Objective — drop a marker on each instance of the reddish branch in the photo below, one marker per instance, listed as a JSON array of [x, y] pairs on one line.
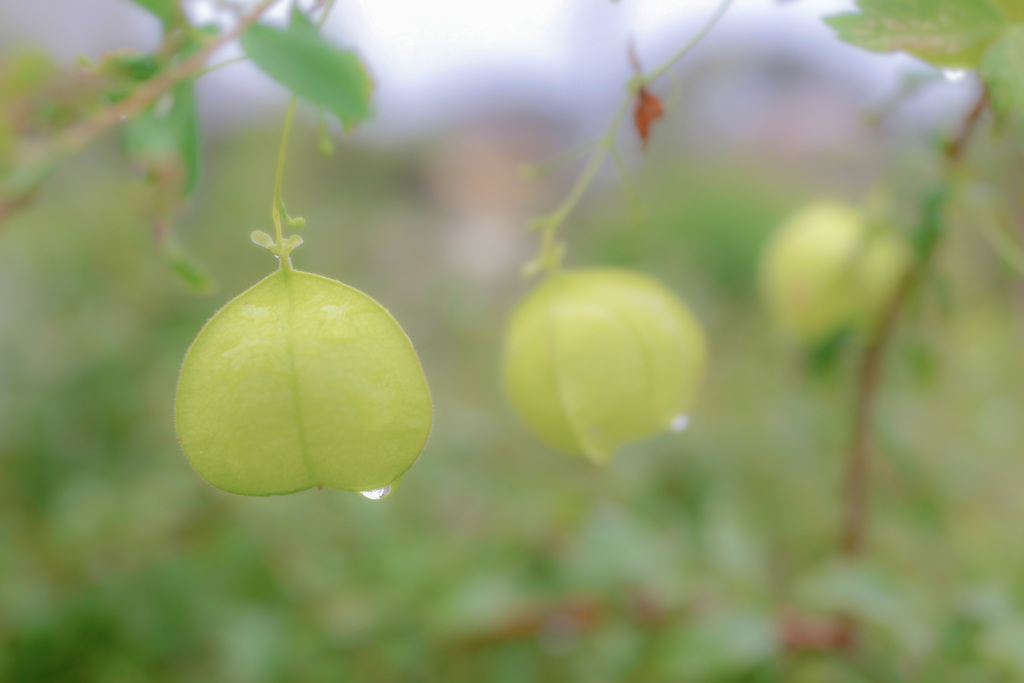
[[855, 486]]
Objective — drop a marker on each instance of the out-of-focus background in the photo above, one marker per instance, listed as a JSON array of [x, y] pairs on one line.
[[499, 560]]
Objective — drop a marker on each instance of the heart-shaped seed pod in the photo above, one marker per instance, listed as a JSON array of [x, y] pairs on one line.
[[598, 357], [824, 271], [302, 381]]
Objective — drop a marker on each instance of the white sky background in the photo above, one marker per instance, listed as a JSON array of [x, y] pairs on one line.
[[434, 58]]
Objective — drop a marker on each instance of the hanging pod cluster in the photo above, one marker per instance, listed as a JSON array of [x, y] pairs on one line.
[[302, 381], [595, 358]]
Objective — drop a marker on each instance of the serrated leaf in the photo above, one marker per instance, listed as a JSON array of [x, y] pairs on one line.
[[302, 61], [1003, 69], [945, 33], [168, 133]]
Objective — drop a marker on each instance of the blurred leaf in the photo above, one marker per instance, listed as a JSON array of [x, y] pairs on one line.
[[947, 33], [1003, 646], [301, 25], [168, 133], [312, 68], [823, 358], [167, 11], [130, 65], [646, 112], [722, 647], [874, 598], [24, 72], [19, 187], [1003, 69], [929, 229], [190, 272]]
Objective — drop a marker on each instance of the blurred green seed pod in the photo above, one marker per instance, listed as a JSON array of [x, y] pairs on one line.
[[824, 271], [302, 381], [595, 358]]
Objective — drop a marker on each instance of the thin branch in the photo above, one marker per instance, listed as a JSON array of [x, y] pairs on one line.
[[77, 136], [855, 485]]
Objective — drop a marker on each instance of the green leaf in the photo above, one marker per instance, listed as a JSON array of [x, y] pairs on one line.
[[946, 33], [1003, 646], [725, 646], [158, 136], [880, 601], [302, 61], [302, 27], [167, 11], [1003, 69]]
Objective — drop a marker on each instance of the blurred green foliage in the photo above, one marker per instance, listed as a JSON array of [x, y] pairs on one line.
[[497, 560]]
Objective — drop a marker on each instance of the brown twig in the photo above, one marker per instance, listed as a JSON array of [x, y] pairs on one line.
[[74, 138], [855, 486]]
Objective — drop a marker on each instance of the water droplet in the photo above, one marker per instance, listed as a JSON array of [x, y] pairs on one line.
[[376, 494], [679, 423], [954, 75]]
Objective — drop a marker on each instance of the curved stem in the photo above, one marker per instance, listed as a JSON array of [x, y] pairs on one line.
[[660, 71], [604, 145], [282, 153], [277, 204]]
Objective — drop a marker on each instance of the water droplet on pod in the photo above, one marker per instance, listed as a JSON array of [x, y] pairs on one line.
[[276, 395], [376, 494], [680, 423], [596, 358]]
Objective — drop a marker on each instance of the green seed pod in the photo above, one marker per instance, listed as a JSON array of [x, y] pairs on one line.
[[302, 381], [824, 271], [598, 357]]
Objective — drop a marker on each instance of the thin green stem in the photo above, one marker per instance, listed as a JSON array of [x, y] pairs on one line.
[[579, 188], [628, 186], [278, 202], [660, 71], [277, 205], [604, 146], [214, 67], [541, 169]]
